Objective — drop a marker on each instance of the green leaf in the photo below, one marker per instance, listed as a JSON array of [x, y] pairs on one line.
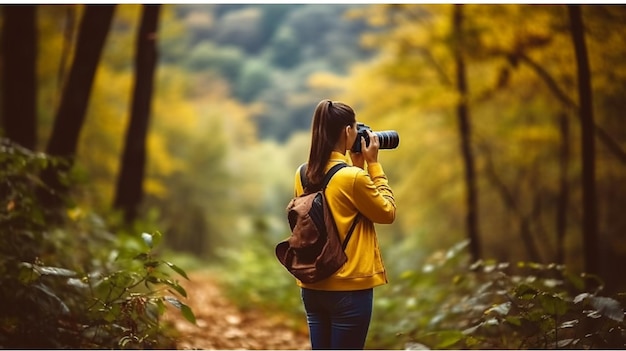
[[569, 324], [77, 283], [565, 342], [174, 301], [553, 304], [147, 238], [608, 307], [476, 265], [156, 238], [176, 287], [177, 269], [456, 249], [581, 297], [184, 309], [188, 313], [160, 307], [46, 270], [55, 271], [525, 291], [516, 321], [111, 312], [471, 330], [122, 279], [27, 274], [491, 322], [501, 309], [536, 265], [154, 280]]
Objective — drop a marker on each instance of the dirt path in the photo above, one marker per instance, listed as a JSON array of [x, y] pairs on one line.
[[221, 325]]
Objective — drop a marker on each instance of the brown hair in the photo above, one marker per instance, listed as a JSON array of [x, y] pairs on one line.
[[329, 119]]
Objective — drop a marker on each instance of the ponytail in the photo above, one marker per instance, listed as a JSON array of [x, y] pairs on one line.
[[329, 119]]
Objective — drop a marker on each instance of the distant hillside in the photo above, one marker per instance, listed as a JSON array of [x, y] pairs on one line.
[[267, 53]]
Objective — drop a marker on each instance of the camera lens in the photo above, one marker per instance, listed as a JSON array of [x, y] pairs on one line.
[[388, 139]]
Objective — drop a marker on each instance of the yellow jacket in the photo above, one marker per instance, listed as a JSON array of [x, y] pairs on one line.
[[352, 190]]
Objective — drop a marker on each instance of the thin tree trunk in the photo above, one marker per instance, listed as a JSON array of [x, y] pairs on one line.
[[532, 251], [71, 113], [68, 39], [563, 200], [70, 116], [465, 135], [603, 136], [129, 190], [590, 218], [19, 112]]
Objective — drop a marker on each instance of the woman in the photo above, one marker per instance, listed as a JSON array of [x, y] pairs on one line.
[[339, 308]]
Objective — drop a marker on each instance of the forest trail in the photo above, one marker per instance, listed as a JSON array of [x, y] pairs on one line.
[[222, 325]]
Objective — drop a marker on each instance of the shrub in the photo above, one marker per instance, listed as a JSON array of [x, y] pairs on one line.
[[74, 284], [253, 278], [497, 305]]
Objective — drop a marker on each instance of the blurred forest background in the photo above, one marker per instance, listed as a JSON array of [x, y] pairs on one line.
[[512, 142]]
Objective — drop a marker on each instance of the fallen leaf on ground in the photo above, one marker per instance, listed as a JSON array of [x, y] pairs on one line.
[[223, 326]]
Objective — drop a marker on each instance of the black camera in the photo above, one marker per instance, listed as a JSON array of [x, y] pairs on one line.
[[388, 139]]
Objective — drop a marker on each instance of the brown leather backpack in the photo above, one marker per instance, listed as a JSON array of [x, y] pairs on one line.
[[313, 251]]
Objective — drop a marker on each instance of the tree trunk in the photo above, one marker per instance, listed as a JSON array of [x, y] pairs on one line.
[[129, 191], [603, 136], [563, 199], [465, 134], [590, 220], [71, 113], [19, 96], [68, 38], [508, 198]]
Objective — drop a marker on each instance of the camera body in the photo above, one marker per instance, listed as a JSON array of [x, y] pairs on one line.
[[388, 139]]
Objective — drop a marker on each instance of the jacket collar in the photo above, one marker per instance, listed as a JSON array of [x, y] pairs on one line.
[[336, 157]]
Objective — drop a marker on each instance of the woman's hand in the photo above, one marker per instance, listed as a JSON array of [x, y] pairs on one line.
[[368, 153]]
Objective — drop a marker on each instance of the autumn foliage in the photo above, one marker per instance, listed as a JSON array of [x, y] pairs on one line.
[[512, 137]]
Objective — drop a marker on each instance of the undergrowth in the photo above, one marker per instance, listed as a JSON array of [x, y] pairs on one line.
[[449, 303], [73, 283]]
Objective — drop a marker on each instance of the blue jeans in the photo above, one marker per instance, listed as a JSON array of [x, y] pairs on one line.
[[338, 319]]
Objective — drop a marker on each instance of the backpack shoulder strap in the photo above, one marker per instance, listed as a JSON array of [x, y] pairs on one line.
[[303, 178], [327, 177], [331, 172], [356, 220]]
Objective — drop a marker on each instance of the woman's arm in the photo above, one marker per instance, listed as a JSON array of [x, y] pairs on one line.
[[373, 196]]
